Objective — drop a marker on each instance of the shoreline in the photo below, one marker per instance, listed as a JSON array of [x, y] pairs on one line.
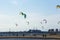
[[31, 37]]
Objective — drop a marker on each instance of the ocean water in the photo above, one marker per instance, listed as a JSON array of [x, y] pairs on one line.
[[26, 39]]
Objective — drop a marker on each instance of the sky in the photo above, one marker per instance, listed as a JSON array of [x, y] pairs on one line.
[[36, 11]]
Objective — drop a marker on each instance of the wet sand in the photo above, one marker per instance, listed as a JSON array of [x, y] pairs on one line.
[[35, 37]]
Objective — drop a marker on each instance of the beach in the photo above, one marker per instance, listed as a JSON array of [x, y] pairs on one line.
[[26, 39], [34, 37]]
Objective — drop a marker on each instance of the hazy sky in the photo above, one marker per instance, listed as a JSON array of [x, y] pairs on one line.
[[36, 11]]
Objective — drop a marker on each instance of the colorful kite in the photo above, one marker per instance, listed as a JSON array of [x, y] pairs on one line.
[[58, 6]]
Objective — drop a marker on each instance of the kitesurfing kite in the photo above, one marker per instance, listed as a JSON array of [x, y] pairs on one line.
[[58, 6], [41, 22], [42, 27], [58, 22], [44, 20], [23, 14], [27, 22], [16, 24]]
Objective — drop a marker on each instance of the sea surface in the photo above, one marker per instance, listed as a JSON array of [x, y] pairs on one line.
[[26, 39]]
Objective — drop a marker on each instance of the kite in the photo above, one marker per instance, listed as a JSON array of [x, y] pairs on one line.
[[58, 22], [23, 14], [27, 22], [44, 20], [58, 6], [16, 25], [41, 22], [42, 27]]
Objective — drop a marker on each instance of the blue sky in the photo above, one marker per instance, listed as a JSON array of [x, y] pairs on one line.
[[36, 10], [37, 6]]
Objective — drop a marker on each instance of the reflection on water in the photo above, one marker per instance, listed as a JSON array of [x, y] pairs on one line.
[[26, 39]]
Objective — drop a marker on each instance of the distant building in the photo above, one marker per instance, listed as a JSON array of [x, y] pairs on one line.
[[56, 30], [51, 30], [35, 31]]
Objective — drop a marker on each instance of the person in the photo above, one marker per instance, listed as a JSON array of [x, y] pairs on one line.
[[44, 35], [23, 34]]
